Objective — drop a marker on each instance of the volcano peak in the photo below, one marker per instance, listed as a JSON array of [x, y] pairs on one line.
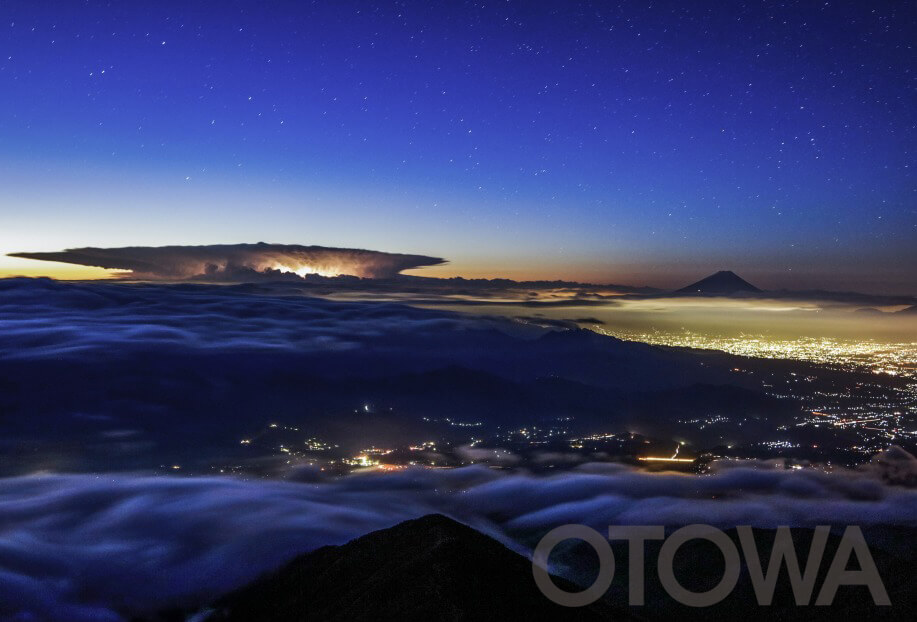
[[723, 282]]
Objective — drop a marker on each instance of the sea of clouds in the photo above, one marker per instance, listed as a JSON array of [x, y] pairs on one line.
[[109, 546], [42, 318], [106, 547]]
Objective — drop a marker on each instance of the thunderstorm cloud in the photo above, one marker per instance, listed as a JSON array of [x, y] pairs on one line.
[[238, 262]]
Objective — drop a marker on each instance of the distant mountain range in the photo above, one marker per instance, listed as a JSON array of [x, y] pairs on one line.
[[724, 282]]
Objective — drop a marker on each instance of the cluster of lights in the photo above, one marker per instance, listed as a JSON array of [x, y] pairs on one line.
[[779, 444], [375, 451], [314, 444], [361, 460]]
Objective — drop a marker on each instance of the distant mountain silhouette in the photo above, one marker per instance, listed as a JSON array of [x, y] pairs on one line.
[[723, 282], [431, 568]]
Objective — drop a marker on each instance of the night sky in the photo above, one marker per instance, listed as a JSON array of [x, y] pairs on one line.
[[625, 142]]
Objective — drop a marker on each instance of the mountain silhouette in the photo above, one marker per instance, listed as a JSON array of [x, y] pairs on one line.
[[434, 568], [430, 568], [724, 282]]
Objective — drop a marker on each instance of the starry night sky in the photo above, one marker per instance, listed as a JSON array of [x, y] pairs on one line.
[[628, 142]]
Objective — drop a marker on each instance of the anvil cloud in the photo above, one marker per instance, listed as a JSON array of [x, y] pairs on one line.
[[238, 262]]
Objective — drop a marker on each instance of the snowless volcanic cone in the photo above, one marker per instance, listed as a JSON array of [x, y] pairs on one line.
[[238, 262]]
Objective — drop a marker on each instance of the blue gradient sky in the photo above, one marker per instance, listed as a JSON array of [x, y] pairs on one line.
[[629, 142]]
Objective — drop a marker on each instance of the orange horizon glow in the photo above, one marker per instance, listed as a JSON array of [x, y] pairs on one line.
[[662, 276], [16, 266]]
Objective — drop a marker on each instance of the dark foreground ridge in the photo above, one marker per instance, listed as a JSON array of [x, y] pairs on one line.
[[431, 568], [434, 568], [723, 282]]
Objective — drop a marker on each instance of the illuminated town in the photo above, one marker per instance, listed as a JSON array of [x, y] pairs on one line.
[[834, 402], [834, 414], [893, 359]]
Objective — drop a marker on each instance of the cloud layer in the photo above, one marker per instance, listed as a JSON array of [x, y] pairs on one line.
[[238, 262], [161, 358], [45, 319], [48, 320], [75, 547], [109, 376]]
